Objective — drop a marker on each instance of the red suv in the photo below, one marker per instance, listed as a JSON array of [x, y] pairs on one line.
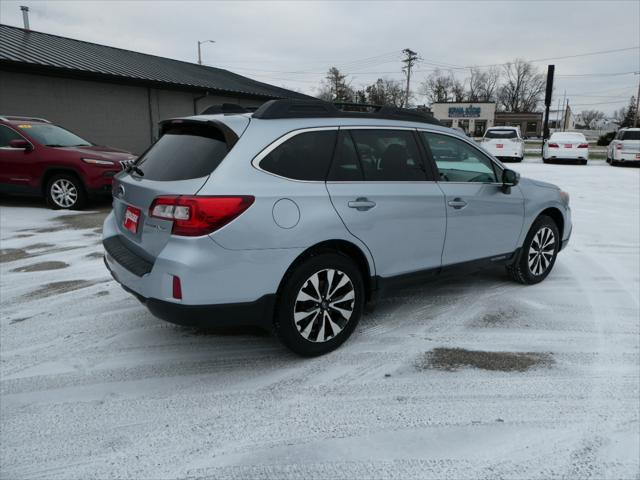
[[40, 158]]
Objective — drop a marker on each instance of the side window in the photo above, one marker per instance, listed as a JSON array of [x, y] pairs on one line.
[[457, 161], [346, 166], [388, 155], [306, 156], [6, 135]]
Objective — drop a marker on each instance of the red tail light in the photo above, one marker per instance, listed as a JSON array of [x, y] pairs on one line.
[[618, 146], [553, 145], [195, 216], [583, 145]]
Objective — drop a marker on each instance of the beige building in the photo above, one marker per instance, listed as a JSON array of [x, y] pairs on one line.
[[473, 117]]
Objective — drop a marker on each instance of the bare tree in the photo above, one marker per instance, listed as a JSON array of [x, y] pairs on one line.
[[457, 89], [590, 118], [386, 92], [619, 115], [522, 88], [335, 87], [437, 87]]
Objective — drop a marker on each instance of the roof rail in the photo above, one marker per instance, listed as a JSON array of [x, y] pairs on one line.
[[317, 108], [7, 118], [227, 108]]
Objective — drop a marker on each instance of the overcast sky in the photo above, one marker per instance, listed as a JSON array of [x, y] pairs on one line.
[[292, 44]]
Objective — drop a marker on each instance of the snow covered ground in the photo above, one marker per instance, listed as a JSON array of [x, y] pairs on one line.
[[92, 386]]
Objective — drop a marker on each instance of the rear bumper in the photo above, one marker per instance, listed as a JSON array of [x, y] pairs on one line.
[[257, 313], [219, 286], [561, 155]]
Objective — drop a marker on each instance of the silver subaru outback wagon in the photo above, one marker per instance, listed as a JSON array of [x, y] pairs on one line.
[[294, 216]]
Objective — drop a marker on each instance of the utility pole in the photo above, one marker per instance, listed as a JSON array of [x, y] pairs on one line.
[[635, 117], [199, 53], [547, 102], [410, 60]]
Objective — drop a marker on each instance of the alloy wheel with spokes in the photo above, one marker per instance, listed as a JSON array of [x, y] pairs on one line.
[[319, 303], [65, 190], [324, 305], [64, 193], [541, 251]]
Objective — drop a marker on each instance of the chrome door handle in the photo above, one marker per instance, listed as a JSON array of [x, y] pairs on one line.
[[457, 203], [362, 204]]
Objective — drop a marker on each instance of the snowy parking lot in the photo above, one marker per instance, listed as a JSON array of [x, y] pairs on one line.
[[466, 377]]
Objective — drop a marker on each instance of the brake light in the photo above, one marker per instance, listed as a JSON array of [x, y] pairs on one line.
[[618, 146], [194, 216], [553, 145], [583, 145]]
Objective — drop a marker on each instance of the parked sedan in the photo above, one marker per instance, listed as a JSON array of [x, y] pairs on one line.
[[571, 146], [504, 143], [625, 147]]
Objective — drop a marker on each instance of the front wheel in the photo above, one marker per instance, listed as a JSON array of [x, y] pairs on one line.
[[65, 191], [319, 304], [538, 254]]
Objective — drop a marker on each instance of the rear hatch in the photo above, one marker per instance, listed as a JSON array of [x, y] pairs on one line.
[[179, 163], [500, 142]]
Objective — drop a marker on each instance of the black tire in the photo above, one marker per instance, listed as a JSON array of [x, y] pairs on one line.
[[544, 160], [519, 159], [520, 270], [299, 282], [77, 198]]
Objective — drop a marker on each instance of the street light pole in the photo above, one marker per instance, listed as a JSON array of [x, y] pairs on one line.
[[200, 42]]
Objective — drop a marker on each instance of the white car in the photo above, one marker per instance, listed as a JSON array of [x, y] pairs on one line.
[[625, 147], [504, 143], [571, 146]]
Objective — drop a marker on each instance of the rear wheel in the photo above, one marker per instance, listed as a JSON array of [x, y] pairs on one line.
[[538, 254], [65, 191], [320, 304]]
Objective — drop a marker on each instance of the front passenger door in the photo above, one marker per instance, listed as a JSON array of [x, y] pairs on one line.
[[482, 220]]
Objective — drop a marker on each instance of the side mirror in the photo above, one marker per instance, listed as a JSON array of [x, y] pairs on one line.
[[21, 144], [510, 178]]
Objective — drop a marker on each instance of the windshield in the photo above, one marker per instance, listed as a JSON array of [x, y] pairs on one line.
[[505, 133], [52, 135], [631, 135]]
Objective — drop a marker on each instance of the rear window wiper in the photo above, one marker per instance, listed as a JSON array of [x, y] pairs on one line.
[[135, 169]]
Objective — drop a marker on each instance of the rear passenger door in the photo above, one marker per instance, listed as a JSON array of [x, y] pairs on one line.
[[379, 186], [482, 220]]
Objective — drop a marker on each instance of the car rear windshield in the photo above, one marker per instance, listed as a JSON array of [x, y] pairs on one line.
[[568, 137], [185, 152], [631, 135], [501, 134], [52, 135]]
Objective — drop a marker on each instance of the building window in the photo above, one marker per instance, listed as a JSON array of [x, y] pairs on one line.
[[464, 124], [532, 128]]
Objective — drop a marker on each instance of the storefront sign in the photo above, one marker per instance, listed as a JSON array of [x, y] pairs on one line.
[[462, 112]]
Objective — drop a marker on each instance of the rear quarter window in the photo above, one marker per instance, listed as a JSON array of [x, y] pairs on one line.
[[183, 153], [306, 156]]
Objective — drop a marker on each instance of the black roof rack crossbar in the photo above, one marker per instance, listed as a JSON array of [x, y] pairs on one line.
[[274, 109]]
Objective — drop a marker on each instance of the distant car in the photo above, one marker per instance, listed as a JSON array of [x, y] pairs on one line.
[[42, 159], [504, 143], [571, 146], [625, 147]]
